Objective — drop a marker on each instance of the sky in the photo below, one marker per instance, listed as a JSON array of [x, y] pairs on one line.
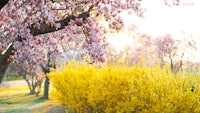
[[161, 19]]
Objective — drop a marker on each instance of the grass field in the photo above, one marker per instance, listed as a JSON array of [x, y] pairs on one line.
[[16, 99]]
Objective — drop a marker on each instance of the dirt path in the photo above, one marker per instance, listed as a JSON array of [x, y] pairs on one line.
[[14, 83], [55, 109]]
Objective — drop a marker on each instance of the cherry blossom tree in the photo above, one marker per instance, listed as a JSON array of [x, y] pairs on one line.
[[167, 46], [22, 22], [172, 50], [33, 77]]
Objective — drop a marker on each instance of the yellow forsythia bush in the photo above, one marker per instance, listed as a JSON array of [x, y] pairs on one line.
[[120, 89]]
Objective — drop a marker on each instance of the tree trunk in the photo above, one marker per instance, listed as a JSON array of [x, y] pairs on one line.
[[3, 3], [4, 60], [3, 68], [171, 65], [32, 91], [39, 88], [31, 87], [46, 88]]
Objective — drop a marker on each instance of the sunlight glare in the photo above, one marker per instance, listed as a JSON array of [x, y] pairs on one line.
[[120, 41], [160, 19]]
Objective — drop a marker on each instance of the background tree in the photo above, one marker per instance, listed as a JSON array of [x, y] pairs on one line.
[[34, 80], [171, 50], [167, 46], [33, 76]]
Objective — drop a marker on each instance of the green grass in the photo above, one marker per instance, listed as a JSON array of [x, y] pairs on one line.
[[16, 101], [5, 79]]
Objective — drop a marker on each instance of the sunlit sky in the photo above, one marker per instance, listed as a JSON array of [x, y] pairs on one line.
[[161, 19]]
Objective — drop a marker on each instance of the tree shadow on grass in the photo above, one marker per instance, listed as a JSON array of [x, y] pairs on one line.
[[12, 99], [56, 109], [22, 103]]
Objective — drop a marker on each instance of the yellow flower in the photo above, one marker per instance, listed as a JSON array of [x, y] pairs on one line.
[[121, 89]]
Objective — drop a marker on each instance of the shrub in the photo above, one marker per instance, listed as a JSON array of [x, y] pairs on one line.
[[121, 89]]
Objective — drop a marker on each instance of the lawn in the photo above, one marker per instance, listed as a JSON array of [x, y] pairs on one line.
[[16, 99]]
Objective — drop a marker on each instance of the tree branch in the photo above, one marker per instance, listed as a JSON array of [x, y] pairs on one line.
[[46, 28], [3, 3]]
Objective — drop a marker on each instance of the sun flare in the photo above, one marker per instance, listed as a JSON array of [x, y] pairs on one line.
[[120, 41]]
